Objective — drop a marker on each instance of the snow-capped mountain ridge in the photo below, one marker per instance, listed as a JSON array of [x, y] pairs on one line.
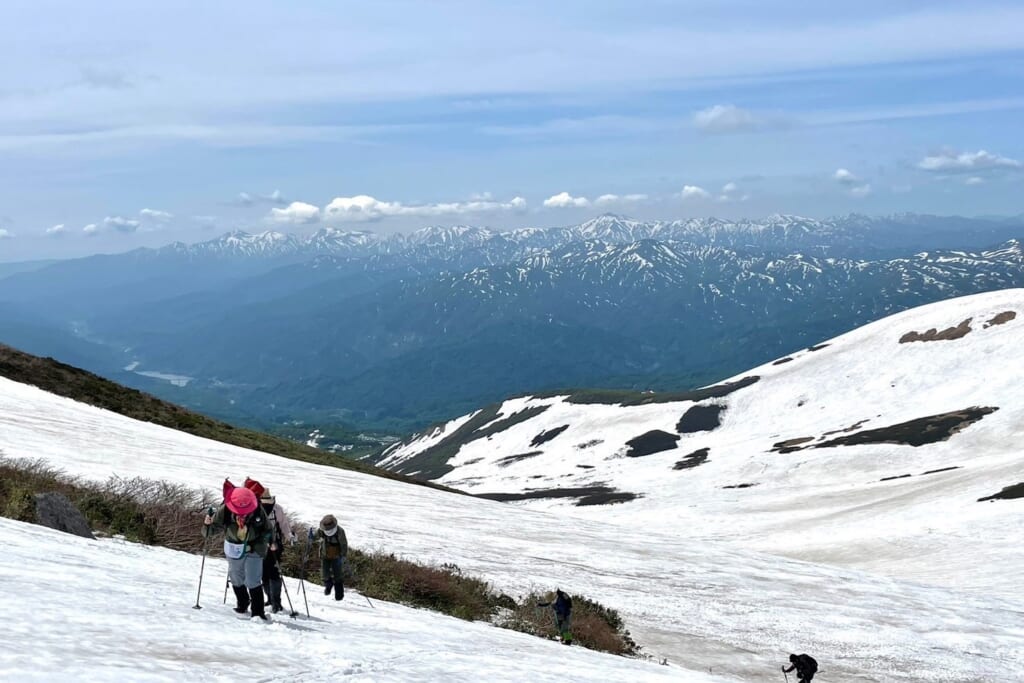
[[892, 426]]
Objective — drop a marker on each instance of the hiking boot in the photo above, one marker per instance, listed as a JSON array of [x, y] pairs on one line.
[[256, 596], [242, 596], [275, 596], [328, 585], [339, 591]]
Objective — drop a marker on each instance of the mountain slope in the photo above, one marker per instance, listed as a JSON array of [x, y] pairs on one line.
[[879, 442], [701, 604]]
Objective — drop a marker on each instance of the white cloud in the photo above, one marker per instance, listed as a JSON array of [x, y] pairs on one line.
[[247, 199], [366, 208], [156, 215], [860, 191], [845, 177], [694, 192], [974, 180], [5, 234], [91, 229], [121, 224], [607, 199], [725, 118], [951, 161], [56, 231], [296, 213], [564, 200], [729, 188]]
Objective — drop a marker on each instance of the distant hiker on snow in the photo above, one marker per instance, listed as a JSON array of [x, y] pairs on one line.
[[562, 606], [333, 546], [247, 538], [281, 532], [805, 667]]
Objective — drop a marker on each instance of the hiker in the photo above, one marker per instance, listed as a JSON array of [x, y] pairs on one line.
[[805, 666], [247, 537], [562, 606], [333, 547], [281, 533]]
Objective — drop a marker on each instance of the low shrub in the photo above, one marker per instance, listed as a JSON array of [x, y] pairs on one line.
[[594, 626]]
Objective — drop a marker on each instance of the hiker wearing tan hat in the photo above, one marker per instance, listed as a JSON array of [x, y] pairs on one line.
[[282, 533]]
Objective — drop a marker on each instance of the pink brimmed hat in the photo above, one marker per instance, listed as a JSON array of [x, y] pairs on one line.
[[242, 501]]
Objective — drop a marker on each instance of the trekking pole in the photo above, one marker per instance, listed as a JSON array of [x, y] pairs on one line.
[[292, 613], [785, 674], [202, 568], [202, 565], [227, 580], [302, 577]]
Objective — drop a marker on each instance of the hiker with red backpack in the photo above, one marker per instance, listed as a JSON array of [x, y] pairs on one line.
[[281, 532], [247, 540]]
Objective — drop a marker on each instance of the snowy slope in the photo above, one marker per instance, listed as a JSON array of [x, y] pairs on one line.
[[699, 603], [827, 504], [124, 614]]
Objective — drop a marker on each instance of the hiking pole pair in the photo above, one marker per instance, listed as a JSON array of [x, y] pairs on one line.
[[292, 613], [202, 565], [302, 577]]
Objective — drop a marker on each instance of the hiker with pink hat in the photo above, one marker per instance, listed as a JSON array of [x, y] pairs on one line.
[[247, 538]]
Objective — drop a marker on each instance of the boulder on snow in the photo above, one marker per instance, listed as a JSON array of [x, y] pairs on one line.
[[55, 511]]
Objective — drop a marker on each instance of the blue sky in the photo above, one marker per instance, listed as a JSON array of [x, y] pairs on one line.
[[132, 124]]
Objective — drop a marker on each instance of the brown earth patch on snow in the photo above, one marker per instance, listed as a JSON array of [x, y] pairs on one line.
[[1000, 319], [948, 334]]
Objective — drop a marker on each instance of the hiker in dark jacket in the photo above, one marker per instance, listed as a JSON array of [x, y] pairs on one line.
[[805, 667], [333, 547], [562, 606], [247, 539], [281, 533]]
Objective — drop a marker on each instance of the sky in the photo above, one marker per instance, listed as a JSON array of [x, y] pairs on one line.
[[128, 124]]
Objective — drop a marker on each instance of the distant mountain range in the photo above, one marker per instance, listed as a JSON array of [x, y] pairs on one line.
[[396, 331]]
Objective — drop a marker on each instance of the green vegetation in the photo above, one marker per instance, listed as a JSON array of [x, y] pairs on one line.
[[64, 380], [169, 515]]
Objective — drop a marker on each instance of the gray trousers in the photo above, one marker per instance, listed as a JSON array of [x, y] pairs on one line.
[[246, 571]]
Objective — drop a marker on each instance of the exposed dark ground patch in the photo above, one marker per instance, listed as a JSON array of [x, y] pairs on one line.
[[855, 426], [791, 445], [509, 459], [942, 469], [597, 494], [610, 498], [654, 441], [544, 437], [432, 463], [698, 457], [740, 486], [898, 476], [636, 398], [585, 467], [919, 432], [1008, 493], [933, 334], [1001, 318], [588, 444], [472, 461], [782, 360], [700, 419], [817, 347]]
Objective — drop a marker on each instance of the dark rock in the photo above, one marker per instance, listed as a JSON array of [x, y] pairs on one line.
[[782, 360], [698, 457], [544, 437], [1001, 318], [508, 460], [942, 469], [897, 476], [791, 445], [700, 419], [933, 334], [924, 430], [55, 511], [1008, 493], [817, 347], [739, 486], [654, 441]]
